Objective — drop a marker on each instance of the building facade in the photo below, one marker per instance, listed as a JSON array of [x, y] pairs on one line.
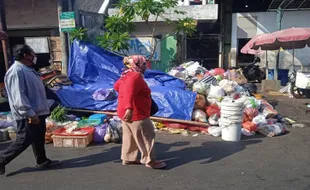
[[206, 46], [248, 25]]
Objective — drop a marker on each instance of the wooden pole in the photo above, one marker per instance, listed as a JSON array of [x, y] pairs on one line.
[[159, 119], [63, 42], [5, 53]]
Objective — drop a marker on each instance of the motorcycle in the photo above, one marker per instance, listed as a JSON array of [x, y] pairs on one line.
[[294, 90]]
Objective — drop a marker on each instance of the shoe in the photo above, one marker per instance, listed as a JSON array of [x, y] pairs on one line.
[[48, 163], [2, 169], [156, 165]]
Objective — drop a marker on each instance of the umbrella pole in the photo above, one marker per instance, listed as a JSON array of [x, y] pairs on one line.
[[294, 59], [267, 66]]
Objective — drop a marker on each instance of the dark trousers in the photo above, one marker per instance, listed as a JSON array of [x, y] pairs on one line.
[[27, 134]]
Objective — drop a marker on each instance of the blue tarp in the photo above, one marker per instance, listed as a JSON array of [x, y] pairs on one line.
[[92, 68]]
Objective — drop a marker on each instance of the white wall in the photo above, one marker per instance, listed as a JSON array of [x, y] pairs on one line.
[[266, 22]]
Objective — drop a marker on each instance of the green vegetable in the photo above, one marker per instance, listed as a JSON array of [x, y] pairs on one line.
[[59, 114]]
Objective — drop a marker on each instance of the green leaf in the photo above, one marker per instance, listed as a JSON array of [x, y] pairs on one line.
[[78, 34], [180, 12]]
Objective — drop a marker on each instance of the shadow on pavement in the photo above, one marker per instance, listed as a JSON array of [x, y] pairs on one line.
[[108, 155], [207, 152]]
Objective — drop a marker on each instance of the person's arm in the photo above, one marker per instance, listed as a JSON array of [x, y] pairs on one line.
[[133, 85], [20, 101], [116, 85]]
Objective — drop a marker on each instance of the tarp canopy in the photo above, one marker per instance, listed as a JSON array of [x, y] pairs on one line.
[[92, 68]]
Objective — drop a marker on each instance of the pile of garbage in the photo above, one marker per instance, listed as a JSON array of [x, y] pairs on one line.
[[216, 86], [106, 129]]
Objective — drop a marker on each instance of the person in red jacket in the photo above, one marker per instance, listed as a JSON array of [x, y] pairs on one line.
[[134, 108]]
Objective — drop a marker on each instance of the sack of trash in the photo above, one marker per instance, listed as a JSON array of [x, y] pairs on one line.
[[199, 116], [228, 86], [272, 130], [201, 88], [216, 94]]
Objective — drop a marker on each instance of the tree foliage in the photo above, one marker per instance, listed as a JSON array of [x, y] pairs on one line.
[[119, 26], [79, 34]]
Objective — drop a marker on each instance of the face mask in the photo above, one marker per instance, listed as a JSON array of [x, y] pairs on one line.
[[34, 61]]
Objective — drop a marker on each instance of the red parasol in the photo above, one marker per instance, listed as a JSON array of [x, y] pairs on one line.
[[292, 38], [248, 48]]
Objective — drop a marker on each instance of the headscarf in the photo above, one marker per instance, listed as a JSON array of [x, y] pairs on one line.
[[134, 63]]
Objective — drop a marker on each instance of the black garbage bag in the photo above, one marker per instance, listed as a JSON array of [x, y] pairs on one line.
[[252, 88]]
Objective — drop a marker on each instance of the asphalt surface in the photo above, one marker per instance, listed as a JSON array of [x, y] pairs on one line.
[[203, 162]]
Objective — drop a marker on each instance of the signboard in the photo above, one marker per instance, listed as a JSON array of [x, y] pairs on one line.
[[38, 44], [66, 21], [143, 46]]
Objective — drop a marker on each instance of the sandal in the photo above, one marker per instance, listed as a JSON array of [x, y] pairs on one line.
[[125, 163], [156, 165]]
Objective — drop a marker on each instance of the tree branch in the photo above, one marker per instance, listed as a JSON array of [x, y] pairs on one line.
[[152, 42]]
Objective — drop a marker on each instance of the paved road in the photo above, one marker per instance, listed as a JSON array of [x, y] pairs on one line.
[[201, 162]]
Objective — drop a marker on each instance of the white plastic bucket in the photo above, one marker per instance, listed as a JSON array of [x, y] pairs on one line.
[[231, 119], [231, 132]]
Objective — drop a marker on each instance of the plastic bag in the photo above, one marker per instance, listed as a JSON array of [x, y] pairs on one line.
[[104, 94], [242, 91], [237, 76], [190, 70], [250, 87], [217, 93], [272, 130], [201, 87], [217, 71], [251, 113], [249, 126], [228, 86], [268, 110], [100, 132], [247, 133], [245, 118], [215, 131], [199, 115], [51, 126], [259, 120], [214, 120], [177, 74], [200, 102], [213, 109], [252, 102], [116, 124], [115, 135]]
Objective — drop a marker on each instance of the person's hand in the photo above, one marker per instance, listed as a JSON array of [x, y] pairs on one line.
[[128, 115], [34, 120]]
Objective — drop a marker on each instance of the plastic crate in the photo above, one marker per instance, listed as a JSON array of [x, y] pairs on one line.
[[61, 139]]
